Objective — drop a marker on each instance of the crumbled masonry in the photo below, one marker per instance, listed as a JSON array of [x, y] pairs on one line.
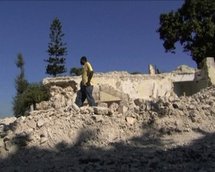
[[133, 135], [157, 122]]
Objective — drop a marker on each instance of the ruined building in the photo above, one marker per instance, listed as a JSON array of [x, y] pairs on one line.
[[122, 86]]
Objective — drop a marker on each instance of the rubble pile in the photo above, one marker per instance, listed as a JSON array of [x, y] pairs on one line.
[[123, 127]]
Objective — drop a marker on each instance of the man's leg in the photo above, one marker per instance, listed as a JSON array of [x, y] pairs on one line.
[[89, 92], [81, 96]]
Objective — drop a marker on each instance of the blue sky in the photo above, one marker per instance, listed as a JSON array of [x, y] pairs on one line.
[[114, 35]]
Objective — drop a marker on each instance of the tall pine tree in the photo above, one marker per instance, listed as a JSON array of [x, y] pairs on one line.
[[21, 82], [21, 85], [56, 49]]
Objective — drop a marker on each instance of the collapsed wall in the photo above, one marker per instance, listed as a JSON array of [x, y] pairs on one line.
[[118, 86]]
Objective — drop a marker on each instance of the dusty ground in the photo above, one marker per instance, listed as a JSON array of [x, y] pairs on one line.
[[160, 135]]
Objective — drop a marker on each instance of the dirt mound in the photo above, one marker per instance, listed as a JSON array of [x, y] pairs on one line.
[[133, 136]]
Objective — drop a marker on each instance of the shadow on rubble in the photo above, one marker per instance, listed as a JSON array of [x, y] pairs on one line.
[[137, 154]]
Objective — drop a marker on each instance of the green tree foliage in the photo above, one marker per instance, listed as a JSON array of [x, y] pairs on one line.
[[35, 93], [56, 49], [21, 82], [26, 94], [193, 26], [75, 71]]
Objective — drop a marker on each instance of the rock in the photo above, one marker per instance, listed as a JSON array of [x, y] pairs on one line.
[[179, 126], [130, 120], [31, 124], [138, 102], [44, 105], [175, 105], [101, 111], [3, 153], [191, 107], [43, 140], [10, 147], [69, 102], [84, 110], [171, 98], [98, 118], [20, 119], [194, 115], [8, 120], [59, 101], [184, 69], [102, 105], [114, 107], [122, 109], [75, 107], [137, 110], [2, 129], [1, 142], [40, 123], [148, 106], [212, 110], [206, 107], [155, 106], [90, 110]]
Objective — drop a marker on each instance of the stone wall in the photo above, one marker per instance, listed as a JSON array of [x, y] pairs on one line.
[[116, 86], [209, 70], [188, 83]]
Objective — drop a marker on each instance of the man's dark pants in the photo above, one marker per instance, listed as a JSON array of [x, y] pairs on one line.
[[85, 93]]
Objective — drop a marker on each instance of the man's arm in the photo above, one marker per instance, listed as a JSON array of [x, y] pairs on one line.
[[90, 75]]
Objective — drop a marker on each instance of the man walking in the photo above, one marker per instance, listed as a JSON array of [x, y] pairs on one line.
[[86, 89]]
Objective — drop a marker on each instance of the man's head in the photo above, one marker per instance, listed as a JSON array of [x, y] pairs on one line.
[[83, 60]]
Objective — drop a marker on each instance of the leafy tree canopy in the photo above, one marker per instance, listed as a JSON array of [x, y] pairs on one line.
[[76, 71], [193, 26], [35, 93]]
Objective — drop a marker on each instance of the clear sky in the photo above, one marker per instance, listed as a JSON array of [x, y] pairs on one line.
[[114, 35]]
